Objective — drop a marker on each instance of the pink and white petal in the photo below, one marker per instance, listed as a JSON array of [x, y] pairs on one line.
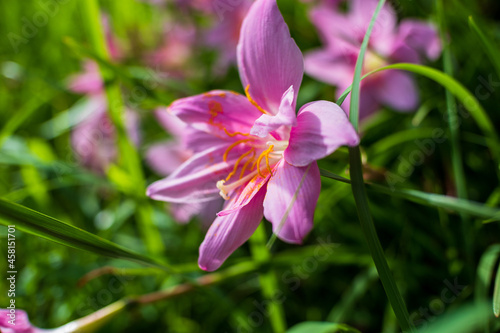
[[229, 232], [420, 36], [216, 112], [337, 70], [398, 91], [322, 127], [292, 194], [245, 195], [334, 27], [269, 61], [286, 116], [165, 157], [196, 179]]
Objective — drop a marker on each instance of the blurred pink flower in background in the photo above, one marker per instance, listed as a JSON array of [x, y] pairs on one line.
[[22, 323], [342, 33], [94, 139], [165, 157], [225, 33], [175, 51], [254, 150]]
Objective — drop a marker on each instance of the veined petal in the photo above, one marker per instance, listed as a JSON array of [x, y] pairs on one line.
[[227, 233], [196, 179], [285, 117], [245, 195], [292, 194], [322, 127], [269, 61], [217, 112], [398, 90]]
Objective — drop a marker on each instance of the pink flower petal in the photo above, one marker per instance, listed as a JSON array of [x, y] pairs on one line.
[[217, 112], [227, 233], [170, 123], [335, 70], [398, 90], [322, 127], [245, 195], [269, 61], [421, 37], [165, 157], [196, 179], [205, 211], [292, 194], [285, 117]]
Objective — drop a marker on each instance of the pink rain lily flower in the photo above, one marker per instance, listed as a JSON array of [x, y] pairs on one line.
[[176, 50], [225, 33], [17, 323], [254, 150], [94, 139], [342, 33], [165, 157]]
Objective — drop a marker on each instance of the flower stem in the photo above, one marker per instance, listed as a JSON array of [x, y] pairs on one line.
[[359, 192], [268, 280]]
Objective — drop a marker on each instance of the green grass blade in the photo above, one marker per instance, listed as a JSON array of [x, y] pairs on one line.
[[116, 110], [465, 320], [360, 197], [496, 294], [268, 280], [430, 199], [491, 51], [470, 103], [41, 225], [321, 327], [485, 271]]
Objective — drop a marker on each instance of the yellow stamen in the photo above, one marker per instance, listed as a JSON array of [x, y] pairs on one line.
[[247, 163], [238, 163], [226, 153], [267, 160], [233, 134], [264, 154], [251, 100]]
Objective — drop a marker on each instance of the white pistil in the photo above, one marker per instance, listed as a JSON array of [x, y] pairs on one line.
[[225, 189]]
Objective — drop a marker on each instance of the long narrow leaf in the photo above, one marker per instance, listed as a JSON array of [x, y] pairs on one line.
[[430, 199], [41, 225]]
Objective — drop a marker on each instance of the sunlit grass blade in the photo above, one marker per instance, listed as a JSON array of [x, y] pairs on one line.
[[321, 327], [464, 320], [129, 156], [41, 225], [496, 294], [430, 199]]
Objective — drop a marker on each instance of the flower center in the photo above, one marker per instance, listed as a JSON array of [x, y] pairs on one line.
[[249, 164], [373, 61]]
